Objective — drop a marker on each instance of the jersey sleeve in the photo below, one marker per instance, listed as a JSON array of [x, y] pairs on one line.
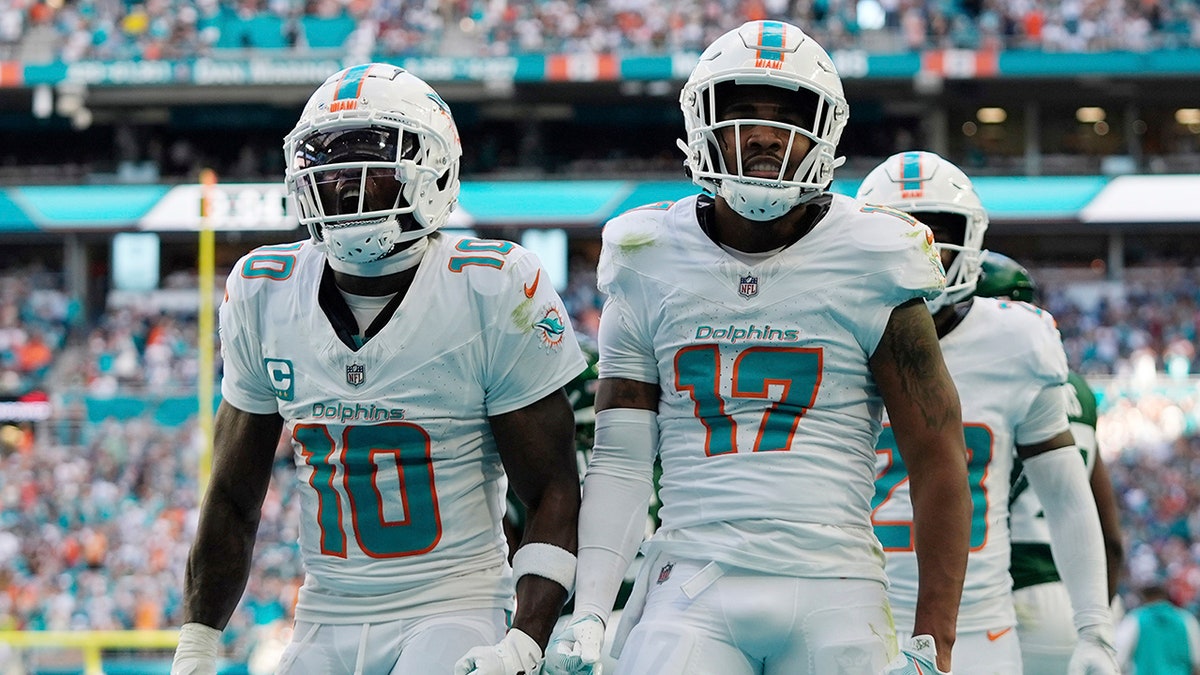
[[1048, 414], [625, 349], [1084, 412], [899, 263], [625, 340], [1046, 417], [245, 382], [897, 246], [536, 350], [1051, 358]]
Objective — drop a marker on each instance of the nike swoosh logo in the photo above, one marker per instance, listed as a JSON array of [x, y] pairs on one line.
[[531, 289], [992, 636]]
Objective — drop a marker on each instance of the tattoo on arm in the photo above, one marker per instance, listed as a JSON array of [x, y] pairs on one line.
[[912, 345]]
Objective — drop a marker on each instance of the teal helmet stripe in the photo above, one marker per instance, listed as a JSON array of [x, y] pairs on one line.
[[351, 83], [771, 41], [910, 172]]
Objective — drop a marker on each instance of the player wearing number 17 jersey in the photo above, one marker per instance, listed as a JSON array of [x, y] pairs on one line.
[[1008, 363], [750, 338], [413, 372]]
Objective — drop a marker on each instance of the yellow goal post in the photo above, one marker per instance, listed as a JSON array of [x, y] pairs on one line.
[[91, 642]]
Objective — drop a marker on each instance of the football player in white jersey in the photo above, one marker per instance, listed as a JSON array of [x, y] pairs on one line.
[[1044, 625], [1008, 363], [751, 337], [416, 373]]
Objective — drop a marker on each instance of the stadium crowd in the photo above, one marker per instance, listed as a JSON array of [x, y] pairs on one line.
[[96, 516], [41, 30], [1150, 326]]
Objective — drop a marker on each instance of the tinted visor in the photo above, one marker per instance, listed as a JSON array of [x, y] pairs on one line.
[[370, 144], [362, 178]]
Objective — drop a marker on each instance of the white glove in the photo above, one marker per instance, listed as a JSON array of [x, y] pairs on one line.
[[517, 653], [576, 650], [1094, 653], [197, 650], [919, 657]]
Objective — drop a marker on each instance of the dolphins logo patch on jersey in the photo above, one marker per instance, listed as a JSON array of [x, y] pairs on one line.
[[551, 327], [356, 374], [748, 286]]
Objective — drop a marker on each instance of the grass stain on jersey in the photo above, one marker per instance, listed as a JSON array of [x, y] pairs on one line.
[[635, 242], [522, 316]]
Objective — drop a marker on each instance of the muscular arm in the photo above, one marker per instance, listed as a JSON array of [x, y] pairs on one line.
[[615, 392], [1110, 523], [926, 417], [219, 562], [537, 446]]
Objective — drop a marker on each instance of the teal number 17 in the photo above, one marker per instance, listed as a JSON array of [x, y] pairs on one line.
[[795, 372]]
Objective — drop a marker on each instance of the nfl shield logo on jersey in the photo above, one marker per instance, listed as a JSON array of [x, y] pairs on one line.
[[748, 286], [356, 374], [665, 573]]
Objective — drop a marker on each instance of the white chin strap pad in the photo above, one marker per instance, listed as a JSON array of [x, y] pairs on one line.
[[397, 262], [761, 202]]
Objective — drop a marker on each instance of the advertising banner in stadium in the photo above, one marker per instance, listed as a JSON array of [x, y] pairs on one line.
[[24, 409]]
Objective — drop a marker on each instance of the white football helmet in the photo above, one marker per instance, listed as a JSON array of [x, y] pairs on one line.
[[370, 131], [776, 54], [924, 184]]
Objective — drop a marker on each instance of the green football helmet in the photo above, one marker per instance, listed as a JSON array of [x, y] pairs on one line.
[[1003, 277]]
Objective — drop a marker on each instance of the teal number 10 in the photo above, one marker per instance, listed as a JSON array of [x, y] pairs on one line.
[[363, 453]]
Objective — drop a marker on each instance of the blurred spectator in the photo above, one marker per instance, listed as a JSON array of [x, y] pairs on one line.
[[174, 29], [1159, 638], [96, 537], [1150, 327], [35, 317]]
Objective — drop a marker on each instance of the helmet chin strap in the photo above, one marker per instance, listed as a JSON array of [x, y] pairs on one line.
[[761, 202], [390, 264], [935, 305]]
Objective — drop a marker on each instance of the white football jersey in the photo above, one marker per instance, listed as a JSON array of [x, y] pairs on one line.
[[401, 487], [768, 412], [1001, 356]]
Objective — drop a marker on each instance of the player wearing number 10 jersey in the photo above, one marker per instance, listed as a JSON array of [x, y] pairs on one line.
[[1008, 363], [414, 372]]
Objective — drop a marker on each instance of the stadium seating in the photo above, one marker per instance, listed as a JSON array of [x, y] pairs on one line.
[[171, 28]]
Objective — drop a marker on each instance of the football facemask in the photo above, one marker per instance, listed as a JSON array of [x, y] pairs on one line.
[[372, 164], [772, 54]]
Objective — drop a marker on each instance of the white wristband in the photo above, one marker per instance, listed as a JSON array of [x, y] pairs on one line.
[[545, 560]]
